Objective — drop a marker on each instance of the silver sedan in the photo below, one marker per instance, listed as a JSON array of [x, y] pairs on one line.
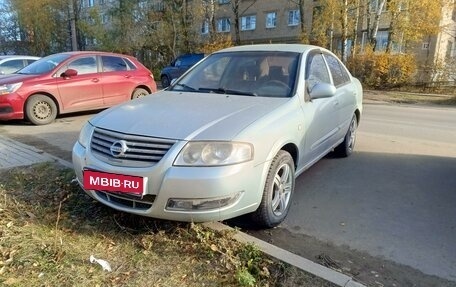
[[227, 138]]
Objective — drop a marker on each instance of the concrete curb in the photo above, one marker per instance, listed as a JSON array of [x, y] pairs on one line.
[[29, 155], [300, 262]]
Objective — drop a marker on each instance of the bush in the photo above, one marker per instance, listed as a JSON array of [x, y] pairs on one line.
[[383, 70]]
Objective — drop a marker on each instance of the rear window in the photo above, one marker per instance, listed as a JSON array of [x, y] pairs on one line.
[[113, 63]]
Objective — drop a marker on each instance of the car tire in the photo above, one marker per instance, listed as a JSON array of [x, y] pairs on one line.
[[278, 191], [139, 93], [165, 81], [345, 148], [40, 110]]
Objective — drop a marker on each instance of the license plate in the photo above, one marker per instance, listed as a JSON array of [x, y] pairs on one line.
[[104, 181]]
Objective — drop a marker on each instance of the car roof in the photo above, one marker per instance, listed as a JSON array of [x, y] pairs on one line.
[[95, 53], [298, 48], [3, 57]]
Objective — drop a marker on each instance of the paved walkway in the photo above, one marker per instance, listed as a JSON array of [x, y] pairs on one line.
[[13, 154]]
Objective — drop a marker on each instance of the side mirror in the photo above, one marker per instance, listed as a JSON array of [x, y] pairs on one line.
[[322, 90], [69, 73]]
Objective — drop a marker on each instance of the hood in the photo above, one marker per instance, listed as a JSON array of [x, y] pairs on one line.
[[187, 116], [14, 78]]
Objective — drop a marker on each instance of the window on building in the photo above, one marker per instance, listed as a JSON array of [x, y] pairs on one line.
[[143, 5], [158, 6], [104, 18], [293, 18], [271, 20], [223, 1], [248, 23], [223, 25], [205, 27], [425, 46], [90, 3], [375, 5], [449, 51], [382, 41]]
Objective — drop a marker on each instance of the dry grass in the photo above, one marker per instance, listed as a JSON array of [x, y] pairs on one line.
[[410, 98], [49, 229]]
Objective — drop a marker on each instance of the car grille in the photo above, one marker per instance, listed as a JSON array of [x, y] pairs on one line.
[[141, 152], [127, 201]]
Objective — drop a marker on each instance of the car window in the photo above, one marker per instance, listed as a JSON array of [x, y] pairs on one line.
[[85, 65], [44, 65], [112, 63], [339, 74], [188, 61], [11, 66], [29, 61], [316, 71], [260, 73]]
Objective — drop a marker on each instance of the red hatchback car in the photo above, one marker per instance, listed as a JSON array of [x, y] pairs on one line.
[[71, 82]]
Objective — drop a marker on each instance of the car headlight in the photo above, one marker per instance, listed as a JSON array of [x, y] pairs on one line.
[[9, 88], [212, 153], [85, 134]]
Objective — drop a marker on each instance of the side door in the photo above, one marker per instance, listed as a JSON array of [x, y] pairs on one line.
[[118, 79], [83, 91], [320, 114], [345, 93]]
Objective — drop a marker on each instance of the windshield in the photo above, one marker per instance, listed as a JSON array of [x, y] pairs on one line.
[[256, 73], [44, 65]]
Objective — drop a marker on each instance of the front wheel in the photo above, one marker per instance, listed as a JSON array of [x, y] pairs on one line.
[[277, 193], [345, 148], [139, 93], [40, 110], [165, 81]]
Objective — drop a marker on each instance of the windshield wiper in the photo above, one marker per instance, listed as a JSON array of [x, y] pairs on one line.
[[187, 87], [228, 91]]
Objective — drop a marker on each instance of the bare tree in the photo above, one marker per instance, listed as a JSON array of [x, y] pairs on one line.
[[235, 7]]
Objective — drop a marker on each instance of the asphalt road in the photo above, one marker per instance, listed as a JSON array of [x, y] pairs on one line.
[[394, 198]]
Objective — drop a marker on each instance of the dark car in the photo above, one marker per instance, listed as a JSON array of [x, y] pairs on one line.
[[178, 66], [72, 82]]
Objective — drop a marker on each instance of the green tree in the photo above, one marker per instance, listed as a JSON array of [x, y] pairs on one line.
[[43, 25], [412, 20]]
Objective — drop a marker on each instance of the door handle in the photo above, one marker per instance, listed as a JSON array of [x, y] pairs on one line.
[[127, 76], [95, 80]]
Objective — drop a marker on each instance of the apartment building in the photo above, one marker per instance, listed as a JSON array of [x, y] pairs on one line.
[[265, 21]]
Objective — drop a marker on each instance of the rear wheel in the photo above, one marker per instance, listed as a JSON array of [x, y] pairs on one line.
[[277, 193], [165, 81], [345, 148], [40, 110], [138, 93]]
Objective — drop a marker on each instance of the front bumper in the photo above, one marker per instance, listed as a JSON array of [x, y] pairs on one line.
[[166, 182], [11, 107]]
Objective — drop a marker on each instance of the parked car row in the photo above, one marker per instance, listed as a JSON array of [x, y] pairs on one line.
[[226, 138]]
